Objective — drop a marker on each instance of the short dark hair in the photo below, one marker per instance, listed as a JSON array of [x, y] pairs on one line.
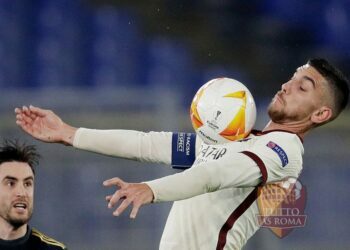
[[337, 81], [12, 150]]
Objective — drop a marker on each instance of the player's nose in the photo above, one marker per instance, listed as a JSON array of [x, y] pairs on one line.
[[21, 191], [285, 87]]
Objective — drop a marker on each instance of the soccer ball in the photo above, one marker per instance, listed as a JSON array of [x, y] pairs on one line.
[[223, 110]]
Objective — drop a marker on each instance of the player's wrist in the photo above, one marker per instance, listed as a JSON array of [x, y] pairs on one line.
[[68, 135], [151, 192]]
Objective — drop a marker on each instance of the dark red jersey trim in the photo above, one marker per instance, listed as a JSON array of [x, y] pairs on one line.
[[248, 201], [260, 164]]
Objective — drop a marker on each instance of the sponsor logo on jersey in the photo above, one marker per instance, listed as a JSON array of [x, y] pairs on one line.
[[282, 205], [279, 151]]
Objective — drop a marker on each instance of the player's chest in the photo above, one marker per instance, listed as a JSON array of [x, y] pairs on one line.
[[217, 152]]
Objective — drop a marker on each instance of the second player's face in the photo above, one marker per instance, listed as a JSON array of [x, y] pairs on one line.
[[302, 95], [16, 193]]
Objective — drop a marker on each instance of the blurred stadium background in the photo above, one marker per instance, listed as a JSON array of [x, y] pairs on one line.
[[136, 65]]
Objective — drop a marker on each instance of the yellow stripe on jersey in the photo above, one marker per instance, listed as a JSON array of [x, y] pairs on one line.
[[47, 239]]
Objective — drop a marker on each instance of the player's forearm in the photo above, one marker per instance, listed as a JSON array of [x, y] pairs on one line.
[[206, 178], [128, 144], [180, 186]]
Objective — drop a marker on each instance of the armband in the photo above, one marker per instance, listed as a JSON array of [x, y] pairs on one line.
[[183, 150]]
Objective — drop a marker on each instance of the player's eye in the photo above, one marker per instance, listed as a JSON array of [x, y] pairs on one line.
[[303, 86], [10, 183], [28, 184]]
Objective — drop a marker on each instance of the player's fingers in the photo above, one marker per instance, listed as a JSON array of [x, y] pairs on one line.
[[26, 110], [20, 122], [38, 111], [108, 197], [116, 181], [33, 116], [135, 210], [25, 127], [24, 113], [27, 119], [122, 207], [18, 111], [19, 117], [28, 128], [19, 114], [118, 195]]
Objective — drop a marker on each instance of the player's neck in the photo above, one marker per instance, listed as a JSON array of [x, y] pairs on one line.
[[295, 128], [8, 232]]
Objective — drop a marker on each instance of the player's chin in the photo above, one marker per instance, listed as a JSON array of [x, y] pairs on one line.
[[273, 106], [19, 221], [276, 114]]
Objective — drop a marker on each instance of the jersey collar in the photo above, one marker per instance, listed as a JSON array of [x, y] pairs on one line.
[[259, 132], [16, 242]]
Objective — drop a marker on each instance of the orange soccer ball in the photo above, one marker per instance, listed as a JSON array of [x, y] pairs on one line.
[[223, 110]]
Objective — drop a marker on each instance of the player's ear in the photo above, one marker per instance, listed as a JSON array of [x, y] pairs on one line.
[[321, 115]]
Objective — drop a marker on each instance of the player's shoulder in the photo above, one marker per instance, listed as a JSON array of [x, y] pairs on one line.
[[283, 143], [46, 242], [280, 150], [278, 136]]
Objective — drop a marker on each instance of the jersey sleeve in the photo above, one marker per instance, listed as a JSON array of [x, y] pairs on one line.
[[257, 164], [175, 149], [278, 154], [230, 170]]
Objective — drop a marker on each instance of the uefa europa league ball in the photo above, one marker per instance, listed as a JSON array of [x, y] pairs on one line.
[[223, 110]]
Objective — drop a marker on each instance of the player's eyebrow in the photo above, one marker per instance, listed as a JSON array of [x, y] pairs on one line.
[[29, 178], [8, 177], [311, 80]]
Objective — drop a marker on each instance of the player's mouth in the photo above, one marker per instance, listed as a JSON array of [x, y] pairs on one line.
[[278, 98], [20, 207]]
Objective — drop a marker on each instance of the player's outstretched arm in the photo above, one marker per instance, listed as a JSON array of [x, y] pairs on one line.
[[44, 125], [137, 194], [192, 182], [155, 147]]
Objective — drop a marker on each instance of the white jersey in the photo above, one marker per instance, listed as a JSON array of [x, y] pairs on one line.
[[201, 218]]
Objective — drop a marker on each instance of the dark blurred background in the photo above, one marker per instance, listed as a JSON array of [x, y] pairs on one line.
[[136, 65]]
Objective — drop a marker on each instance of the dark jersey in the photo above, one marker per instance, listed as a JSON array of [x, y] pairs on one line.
[[32, 240]]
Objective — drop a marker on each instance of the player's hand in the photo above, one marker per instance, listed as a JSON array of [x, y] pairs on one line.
[[136, 194], [44, 125]]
